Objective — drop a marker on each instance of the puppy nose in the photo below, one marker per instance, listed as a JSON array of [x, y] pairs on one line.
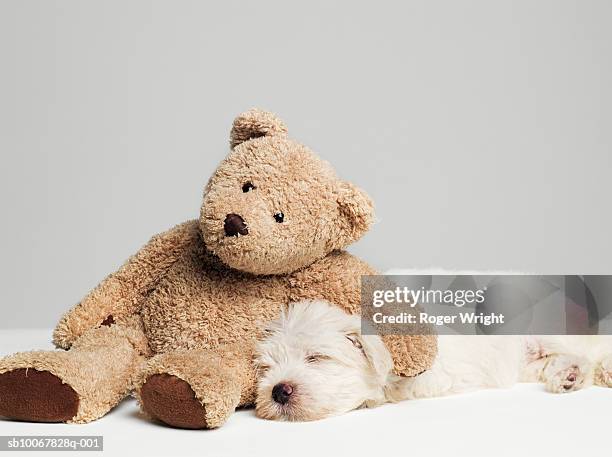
[[235, 225], [281, 392]]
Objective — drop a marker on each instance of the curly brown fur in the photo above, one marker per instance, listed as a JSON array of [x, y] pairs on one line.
[[192, 300]]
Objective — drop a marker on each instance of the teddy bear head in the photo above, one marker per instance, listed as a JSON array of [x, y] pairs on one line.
[[272, 206]]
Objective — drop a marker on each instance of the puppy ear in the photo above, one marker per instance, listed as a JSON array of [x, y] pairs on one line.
[[356, 214], [376, 354], [255, 123]]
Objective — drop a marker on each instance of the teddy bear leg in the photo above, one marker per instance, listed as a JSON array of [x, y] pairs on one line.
[[78, 385], [195, 388]]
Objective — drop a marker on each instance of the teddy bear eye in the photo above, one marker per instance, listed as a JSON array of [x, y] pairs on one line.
[[279, 217], [247, 187]]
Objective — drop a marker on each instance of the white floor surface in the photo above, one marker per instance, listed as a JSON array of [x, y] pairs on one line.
[[523, 421]]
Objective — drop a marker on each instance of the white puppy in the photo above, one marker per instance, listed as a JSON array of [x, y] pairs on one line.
[[314, 363]]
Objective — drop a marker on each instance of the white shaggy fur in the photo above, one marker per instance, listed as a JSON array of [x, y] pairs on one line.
[[318, 350], [466, 363]]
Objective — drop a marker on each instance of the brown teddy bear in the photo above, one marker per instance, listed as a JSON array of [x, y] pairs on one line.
[[176, 323]]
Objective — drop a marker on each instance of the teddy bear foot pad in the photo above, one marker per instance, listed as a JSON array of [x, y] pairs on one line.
[[30, 395], [171, 400]]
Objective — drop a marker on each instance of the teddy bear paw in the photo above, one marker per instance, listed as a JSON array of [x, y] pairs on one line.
[[30, 395], [171, 400]]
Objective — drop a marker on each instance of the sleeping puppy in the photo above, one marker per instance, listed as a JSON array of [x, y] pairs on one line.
[[314, 363]]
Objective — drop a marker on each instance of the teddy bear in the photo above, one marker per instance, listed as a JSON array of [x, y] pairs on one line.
[[178, 322]]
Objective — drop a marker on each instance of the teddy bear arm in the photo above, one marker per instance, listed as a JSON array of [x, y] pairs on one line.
[[412, 354], [337, 279], [121, 294]]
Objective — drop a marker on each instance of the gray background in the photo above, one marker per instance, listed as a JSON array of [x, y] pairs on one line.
[[481, 129]]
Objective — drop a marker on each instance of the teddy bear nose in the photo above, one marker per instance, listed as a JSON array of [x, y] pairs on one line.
[[281, 392], [234, 225]]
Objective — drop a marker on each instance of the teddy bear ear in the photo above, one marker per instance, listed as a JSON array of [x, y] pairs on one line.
[[255, 123], [356, 214]]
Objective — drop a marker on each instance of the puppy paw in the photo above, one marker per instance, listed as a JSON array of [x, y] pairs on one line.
[[565, 374], [534, 350], [603, 374]]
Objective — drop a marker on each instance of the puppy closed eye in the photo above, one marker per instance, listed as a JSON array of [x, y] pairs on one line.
[[316, 358], [262, 367], [353, 339]]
